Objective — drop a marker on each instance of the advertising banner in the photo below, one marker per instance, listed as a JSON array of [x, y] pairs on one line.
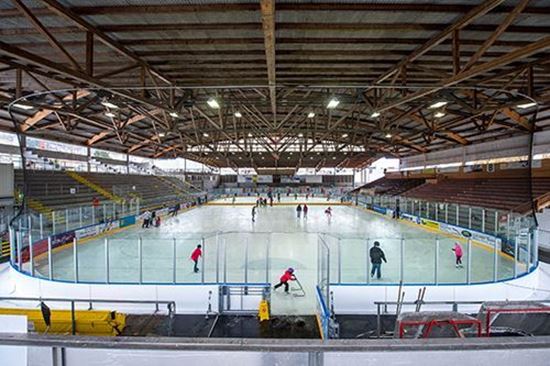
[[411, 218], [381, 210], [127, 221], [318, 179], [429, 223], [97, 229], [470, 234], [290, 179], [265, 179], [246, 178]]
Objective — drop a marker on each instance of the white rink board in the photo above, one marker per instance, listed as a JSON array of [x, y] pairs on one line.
[[360, 299], [189, 298]]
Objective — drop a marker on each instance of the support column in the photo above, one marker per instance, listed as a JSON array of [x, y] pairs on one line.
[[50, 259], [106, 260], [436, 264], [89, 156], [469, 265], [75, 260]]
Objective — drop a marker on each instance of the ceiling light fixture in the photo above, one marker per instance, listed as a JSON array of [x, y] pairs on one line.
[[438, 104], [162, 134], [300, 135], [439, 114], [344, 135], [333, 103], [526, 105], [375, 114], [22, 106], [213, 103], [174, 114], [310, 115], [205, 134], [238, 114], [110, 114], [109, 104], [388, 135], [249, 134]]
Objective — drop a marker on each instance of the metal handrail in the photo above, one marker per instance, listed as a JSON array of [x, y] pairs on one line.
[[170, 305], [273, 345]]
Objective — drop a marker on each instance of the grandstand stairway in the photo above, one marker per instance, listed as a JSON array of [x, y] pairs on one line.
[[174, 186], [96, 187]]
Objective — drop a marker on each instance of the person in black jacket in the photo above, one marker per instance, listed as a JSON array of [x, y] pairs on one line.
[[376, 257]]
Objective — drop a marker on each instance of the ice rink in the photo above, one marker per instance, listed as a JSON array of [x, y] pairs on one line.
[[238, 250]]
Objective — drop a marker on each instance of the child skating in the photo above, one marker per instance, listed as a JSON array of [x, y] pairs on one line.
[[195, 257], [285, 278], [458, 255], [298, 210], [305, 210], [253, 213]]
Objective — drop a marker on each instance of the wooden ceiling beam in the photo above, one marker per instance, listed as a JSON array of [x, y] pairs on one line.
[[45, 32], [362, 27], [268, 26], [69, 14], [43, 113], [463, 21], [523, 52], [510, 18], [315, 7]]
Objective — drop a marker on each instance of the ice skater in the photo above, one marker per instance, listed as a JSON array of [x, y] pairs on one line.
[[234, 198], [376, 256], [458, 255], [298, 210], [305, 209], [146, 219], [285, 278], [253, 213], [278, 197], [328, 212], [195, 257]]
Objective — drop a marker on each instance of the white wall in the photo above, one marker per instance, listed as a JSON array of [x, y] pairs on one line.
[[514, 146], [188, 298], [13, 355], [543, 219], [359, 299]]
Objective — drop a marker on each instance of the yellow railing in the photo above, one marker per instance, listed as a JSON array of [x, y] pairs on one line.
[[5, 249], [96, 187], [178, 190]]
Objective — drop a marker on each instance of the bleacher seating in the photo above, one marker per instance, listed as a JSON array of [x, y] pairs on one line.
[[52, 188], [152, 191], [391, 187], [504, 193]]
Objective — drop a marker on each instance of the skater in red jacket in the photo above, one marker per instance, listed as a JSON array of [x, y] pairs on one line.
[[287, 276], [195, 257]]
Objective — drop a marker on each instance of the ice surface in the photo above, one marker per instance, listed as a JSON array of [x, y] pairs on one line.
[[289, 241]]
